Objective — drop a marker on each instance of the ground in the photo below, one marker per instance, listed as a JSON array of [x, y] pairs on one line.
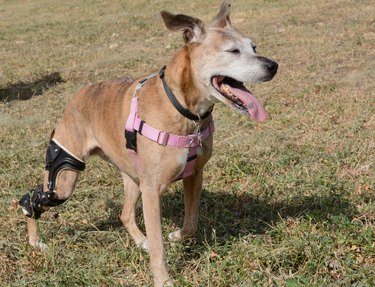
[[288, 202]]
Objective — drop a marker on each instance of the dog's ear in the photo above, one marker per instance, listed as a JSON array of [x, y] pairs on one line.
[[222, 19], [192, 28]]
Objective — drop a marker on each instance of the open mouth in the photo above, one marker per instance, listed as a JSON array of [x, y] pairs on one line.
[[240, 98]]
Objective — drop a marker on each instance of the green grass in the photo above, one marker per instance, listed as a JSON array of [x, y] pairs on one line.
[[289, 202]]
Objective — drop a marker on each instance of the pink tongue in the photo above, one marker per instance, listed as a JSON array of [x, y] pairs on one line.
[[253, 105]]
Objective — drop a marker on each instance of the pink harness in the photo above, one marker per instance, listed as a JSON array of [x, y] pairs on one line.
[[135, 125]]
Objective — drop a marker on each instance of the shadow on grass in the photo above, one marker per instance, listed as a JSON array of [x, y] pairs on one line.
[[224, 215], [232, 215], [24, 91]]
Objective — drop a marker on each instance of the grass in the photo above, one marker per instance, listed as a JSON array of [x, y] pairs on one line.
[[289, 202]]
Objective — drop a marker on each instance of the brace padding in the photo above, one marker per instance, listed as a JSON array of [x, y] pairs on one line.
[[57, 158]]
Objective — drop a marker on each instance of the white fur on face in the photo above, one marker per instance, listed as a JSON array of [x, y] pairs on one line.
[[216, 57]]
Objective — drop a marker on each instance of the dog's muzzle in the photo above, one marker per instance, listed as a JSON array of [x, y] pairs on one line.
[[270, 67]]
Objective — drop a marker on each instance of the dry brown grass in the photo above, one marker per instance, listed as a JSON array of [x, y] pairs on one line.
[[287, 203]]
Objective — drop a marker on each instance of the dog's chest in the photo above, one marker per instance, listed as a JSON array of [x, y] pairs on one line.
[[181, 160]]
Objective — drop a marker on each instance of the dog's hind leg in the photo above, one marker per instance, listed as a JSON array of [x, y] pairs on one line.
[[64, 188], [192, 192], [127, 217], [64, 159], [59, 180]]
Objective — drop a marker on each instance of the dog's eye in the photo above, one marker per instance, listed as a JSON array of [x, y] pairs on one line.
[[234, 51], [255, 48]]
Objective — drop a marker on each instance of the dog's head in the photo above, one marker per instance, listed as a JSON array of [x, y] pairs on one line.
[[222, 60]]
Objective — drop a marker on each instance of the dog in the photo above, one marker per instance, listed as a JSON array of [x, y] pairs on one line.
[[168, 129]]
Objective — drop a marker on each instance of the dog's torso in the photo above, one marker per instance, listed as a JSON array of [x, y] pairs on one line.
[[102, 110]]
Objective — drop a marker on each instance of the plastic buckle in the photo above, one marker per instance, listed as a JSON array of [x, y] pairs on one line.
[[162, 138]]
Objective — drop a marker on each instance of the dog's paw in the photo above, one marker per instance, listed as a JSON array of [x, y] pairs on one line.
[[42, 246], [143, 245], [168, 283], [175, 236], [39, 245]]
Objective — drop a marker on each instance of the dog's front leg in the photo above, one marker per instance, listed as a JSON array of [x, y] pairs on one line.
[[64, 189], [132, 194], [151, 196], [192, 192]]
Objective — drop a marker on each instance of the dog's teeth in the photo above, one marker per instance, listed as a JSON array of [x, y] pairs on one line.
[[226, 90]]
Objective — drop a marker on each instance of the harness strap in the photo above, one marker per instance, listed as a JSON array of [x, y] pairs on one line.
[[136, 125], [164, 138], [130, 132]]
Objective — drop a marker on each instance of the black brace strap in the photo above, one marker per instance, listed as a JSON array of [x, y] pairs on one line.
[[185, 112], [36, 201], [57, 159]]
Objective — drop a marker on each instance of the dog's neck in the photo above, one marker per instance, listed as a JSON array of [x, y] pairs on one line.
[[180, 78]]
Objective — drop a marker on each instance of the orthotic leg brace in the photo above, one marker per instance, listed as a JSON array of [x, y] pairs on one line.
[[36, 201]]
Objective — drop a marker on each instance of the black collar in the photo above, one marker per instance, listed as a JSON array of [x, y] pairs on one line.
[[185, 112]]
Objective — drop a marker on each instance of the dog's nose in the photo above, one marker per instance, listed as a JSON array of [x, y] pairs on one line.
[[271, 66]]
